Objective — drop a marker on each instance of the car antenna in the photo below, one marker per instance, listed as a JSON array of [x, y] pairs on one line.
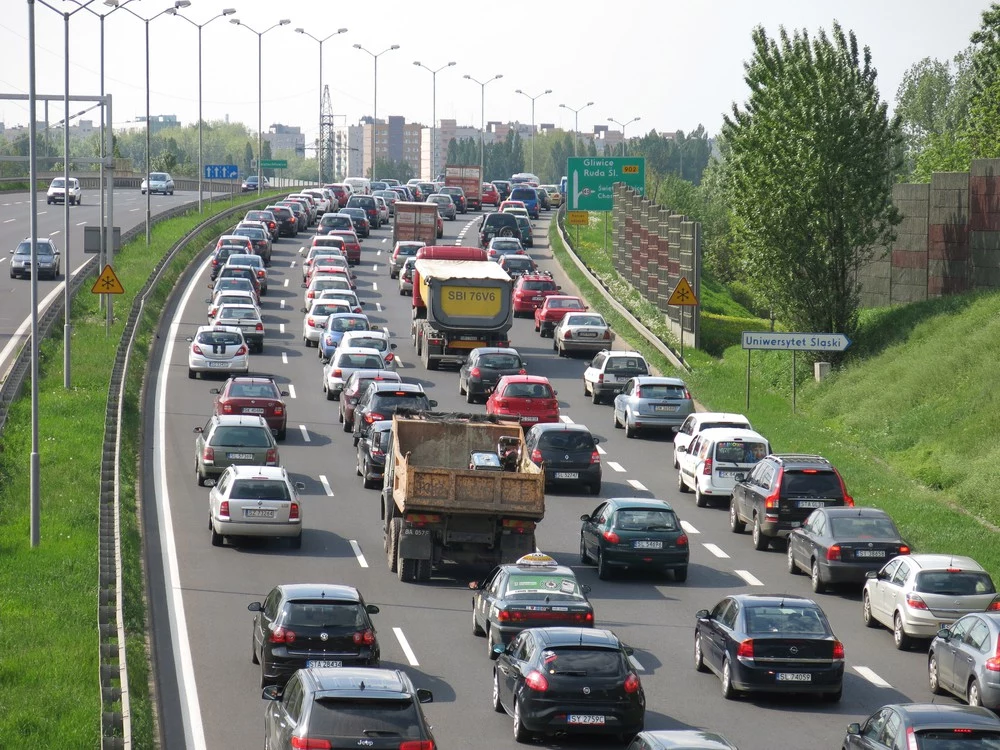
[[361, 686]]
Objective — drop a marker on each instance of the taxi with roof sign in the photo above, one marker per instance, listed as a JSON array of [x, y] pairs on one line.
[[535, 591]]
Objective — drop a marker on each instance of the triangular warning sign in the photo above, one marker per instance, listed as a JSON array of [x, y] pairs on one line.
[[107, 283], [683, 295]]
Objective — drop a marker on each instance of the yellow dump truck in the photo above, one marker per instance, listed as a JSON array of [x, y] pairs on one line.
[[458, 488]]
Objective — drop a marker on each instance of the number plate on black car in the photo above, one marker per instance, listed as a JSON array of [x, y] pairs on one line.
[[869, 553], [323, 663], [647, 545], [794, 677], [811, 504], [585, 719]]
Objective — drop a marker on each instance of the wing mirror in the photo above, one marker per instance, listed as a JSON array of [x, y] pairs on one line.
[[272, 692], [740, 476], [703, 614], [304, 309], [584, 518], [208, 301], [424, 695], [371, 609], [210, 482], [433, 404], [284, 393], [300, 486], [873, 574], [304, 285], [198, 430], [944, 634], [255, 607], [392, 346], [475, 585], [681, 449], [189, 339], [215, 390], [854, 728]]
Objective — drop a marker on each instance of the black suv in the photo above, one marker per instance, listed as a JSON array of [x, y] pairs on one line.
[[369, 206], [381, 400], [347, 707], [288, 222], [497, 224], [781, 492], [331, 222], [567, 454]]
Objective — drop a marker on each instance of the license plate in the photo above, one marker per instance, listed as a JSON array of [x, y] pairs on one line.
[[240, 456], [585, 719], [587, 335], [323, 663], [665, 407], [252, 410], [647, 545], [537, 299], [218, 364], [567, 475], [529, 419], [869, 553], [794, 677], [811, 504], [258, 513], [721, 473]]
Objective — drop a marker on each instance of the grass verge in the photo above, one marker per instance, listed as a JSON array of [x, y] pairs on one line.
[[49, 634], [909, 422]]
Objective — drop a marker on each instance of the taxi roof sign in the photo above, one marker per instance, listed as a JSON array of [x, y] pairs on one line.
[[537, 560]]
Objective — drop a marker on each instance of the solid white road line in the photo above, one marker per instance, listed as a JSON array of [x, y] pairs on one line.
[[873, 678], [403, 644], [358, 554], [601, 451], [689, 528], [749, 577], [284, 358], [291, 390], [638, 485], [616, 466], [326, 485], [8, 221], [305, 433], [55, 231], [566, 419], [715, 550], [399, 361]]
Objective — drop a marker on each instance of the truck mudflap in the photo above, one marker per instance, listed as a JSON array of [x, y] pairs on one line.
[[515, 546], [416, 543]]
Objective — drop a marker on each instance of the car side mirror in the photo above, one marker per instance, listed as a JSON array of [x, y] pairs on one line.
[[854, 728], [189, 339], [424, 695], [198, 430], [284, 393], [629, 651], [585, 588], [433, 404], [682, 449], [873, 574], [215, 390], [371, 609], [556, 393], [304, 309], [299, 486], [361, 303], [255, 607], [584, 518], [499, 649], [208, 301], [944, 634], [272, 692], [392, 346], [210, 482], [703, 614], [210, 286], [304, 285]]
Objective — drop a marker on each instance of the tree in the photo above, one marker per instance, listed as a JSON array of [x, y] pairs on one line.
[[400, 170], [983, 129], [809, 175]]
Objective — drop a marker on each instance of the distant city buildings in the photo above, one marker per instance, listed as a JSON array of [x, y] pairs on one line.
[[156, 124], [286, 138]]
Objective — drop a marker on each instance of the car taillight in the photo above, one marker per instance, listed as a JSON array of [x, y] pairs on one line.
[[417, 745], [994, 607], [337, 372], [682, 540], [260, 274], [632, 683], [595, 457], [536, 681], [282, 635], [373, 417], [260, 327], [227, 408], [568, 335], [364, 637], [687, 394], [838, 650], [310, 321], [607, 337], [707, 469], [848, 500], [522, 371], [771, 501], [745, 649], [241, 351], [993, 663], [310, 294], [475, 372], [611, 537], [196, 349], [208, 454], [903, 550], [536, 456], [388, 357], [913, 601], [307, 743], [271, 458], [224, 509], [293, 512], [833, 553]]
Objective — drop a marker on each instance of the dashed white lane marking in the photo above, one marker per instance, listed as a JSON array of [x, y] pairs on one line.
[[384, 239], [135, 209], [281, 327], [689, 528], [873, 678], [638, 485], [375, 267], [292, 264], [282, 305], [749, 577], [616, 466], [602, 451], [8, 221], [81, 223], [565, 419], [404, 644], [716, 550], [55, 231], [285, 284], [374, 286], [378, 306], [291, 390], [637, 664], [379, 251], [399, 360], [284, 358], [305, 433], [326, 485], [358, 554]]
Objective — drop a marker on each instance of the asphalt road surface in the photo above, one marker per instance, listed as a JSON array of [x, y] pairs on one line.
[[208, 686]]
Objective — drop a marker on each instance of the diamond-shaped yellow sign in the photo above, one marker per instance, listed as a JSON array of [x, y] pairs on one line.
[[107, 283]]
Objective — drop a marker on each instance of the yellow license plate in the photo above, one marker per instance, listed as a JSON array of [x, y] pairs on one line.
[[465, 344], [471, 301]]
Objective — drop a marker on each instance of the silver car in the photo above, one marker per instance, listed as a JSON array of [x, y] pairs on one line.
[[218, 348], [227, 439], [256, 262], [918, 595], [159, 182], [964, 659], [446, 206], [343, 362], [46, 256], [247, 319], [255, 501], [406, 276], [582, 332], [652, 403]]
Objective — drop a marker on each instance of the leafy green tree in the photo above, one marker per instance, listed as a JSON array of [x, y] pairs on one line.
[[248, 158], [983, 129], [400, 170], [809, 175]]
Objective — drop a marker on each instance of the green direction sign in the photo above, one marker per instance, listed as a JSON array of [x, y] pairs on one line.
[[590, 180], [274, 164]]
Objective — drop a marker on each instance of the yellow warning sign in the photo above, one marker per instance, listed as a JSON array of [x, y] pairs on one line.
[[108, 283], [683, 295], [577, 218]]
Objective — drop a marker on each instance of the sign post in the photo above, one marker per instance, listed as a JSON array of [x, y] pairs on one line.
[[683, 296], [792, 342]]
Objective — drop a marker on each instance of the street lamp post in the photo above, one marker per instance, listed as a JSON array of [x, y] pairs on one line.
[[547, 91], [260, 91], [375, 57], [434, 144], [576, 122], [319, 141], [482, 118], [622, 126], [201, 153]]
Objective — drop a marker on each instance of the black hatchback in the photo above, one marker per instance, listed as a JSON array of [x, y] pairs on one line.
[[567, 454], [568, 680], [306, 625], [288, 222], [485, 367], [631, 532]]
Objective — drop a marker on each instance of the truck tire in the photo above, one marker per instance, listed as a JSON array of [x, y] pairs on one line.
[[424, 570], [406, 569], [393, 531]]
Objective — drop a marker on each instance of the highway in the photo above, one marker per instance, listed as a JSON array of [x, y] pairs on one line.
[[207, 685]]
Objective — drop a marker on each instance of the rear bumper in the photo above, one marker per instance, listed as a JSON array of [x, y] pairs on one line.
[[238, 528], [550, 716], [590, 474], [648, 421], [646, 558], [763, 678], [586, 345], [833, 571]]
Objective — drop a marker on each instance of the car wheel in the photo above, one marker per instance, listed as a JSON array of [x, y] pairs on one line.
[[630, 429], [282, 433], [476, 628], [584, 557], [728, 691], [497, 705], [681, 484], [699, 498], [328, 392], [368, 484], [899, 636], [461, 391], [866, 613], [191, 373], [699, 657], [973, 696], [537, 330], [760, 542], [521, 735], [835, 696], [790, 561], [735, 524], [490, 642], [818, 585], [614, 419], [348, 426], [681, 574], [595, 488], [216, 538], [603, 569], [932, 675], [595, 398], [296, 541], [253, 650], [357, 464], [263, 679], [340, 416], [469, 397]]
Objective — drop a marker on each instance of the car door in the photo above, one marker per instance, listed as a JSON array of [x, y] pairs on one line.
[[876, 595], [808, 539], [509, 668], [968, 653], [683, 436], [592, 530], [263, 619], [486, 595], [949, 651], [594, 369], [870, 735], [745, 491], [892, 591], [285, 713], [620, 404], [688, 461], [713, 638]]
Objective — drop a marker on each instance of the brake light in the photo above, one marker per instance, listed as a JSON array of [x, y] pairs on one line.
[[337, 372], [913, 601], [682, 540], [611, 537], [994, 607], [687, 393], [833, 553], [904, 550], [568, 335], [607, 337], [993, 663], [595, 457], [282, 635], [227, 408], [365, 637], [260, 327], [536, 681], [632, 683], [196, 349], [503, 615], [771, 501], [306, 743], [260, 274], [293, 512], [745, 649], [707, 469], [241, 351], [600, 378], [272, 457], [848, 500], [536, 456], [208, 455], [838, 650], [373, 417], [224, 509], [390, 356], [911, 739]]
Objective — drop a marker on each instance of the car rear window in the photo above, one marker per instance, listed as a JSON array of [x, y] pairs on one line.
[[566, 304], [328, 308], [528, 390], [541, 583], [583, 662], [512, 261], [740, 451], [219, 338], [859, 527], [597, 320], [323, 614], [787, 619], [523, 194], [375, 343], [810, 483], [954, 583], [500, 361], [349, 324], [351, 717], [366, 361], [626, 364], [253, 390], [566, 440], [239, 313], [259, 489], [393, 400], [242, 436], [645, 519], [539, 286], [958, 739], [732, 425]]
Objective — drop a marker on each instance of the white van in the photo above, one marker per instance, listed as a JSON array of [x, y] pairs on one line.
[[359, 185], [710, 464]]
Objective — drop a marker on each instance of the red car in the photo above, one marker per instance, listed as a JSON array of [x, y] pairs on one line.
[[353, 245], [527, 398], [256, 395], [340, 192], [530, 291], [490, 194], [553, 309], [354, 389]]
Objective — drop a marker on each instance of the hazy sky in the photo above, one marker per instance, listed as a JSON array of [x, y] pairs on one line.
[[675, 65]]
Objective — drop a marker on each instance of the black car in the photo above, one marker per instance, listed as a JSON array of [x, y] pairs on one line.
[[533, 592], [367, 204], [496, 224], [355, 387], [631, 532], [381, 400], [680, 739], [359, 220], [288, 223], [300, 212], [260, 239], [372, 445], [516, 265], [268, 218], [773, 643], [303, 625], [568, 680], [781, 491], [840, 545], [928, 726], [484, 367], [567, 454], [503, 187], [347, 707]]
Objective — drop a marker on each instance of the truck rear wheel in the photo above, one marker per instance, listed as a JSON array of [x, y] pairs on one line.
[[406, 569], [393, 531], [424, 569]]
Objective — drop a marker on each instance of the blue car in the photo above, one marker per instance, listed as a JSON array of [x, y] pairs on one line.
[[336, 326], [529, 197]]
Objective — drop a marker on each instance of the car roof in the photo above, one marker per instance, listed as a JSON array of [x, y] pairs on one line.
[[639, 502], [730, 433], [391, 386], [855, 512], [774, 599], [719, 416], [577, 637], [508, 379], [358, 682], [558, 570], [497, 350], [253, 379], [319, 591], [559, 427], [686, 739], [240, 420], [259, 472], [945, 715], [539, 277], [930, 561]]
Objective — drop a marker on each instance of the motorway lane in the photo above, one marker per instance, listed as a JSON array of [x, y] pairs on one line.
[[209, 588]]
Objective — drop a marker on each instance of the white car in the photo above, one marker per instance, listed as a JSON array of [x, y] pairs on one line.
[[383, 209], [218, 348], [322, 200], [314, 321], [374, 339], [346, 360], [518, 211], [159, 182], [321, 248], [351, 298], [710, 464], [609, 371], [323, 282], [229, 297], [256, 262], [57, 191], [255, 501], [582, 332], [705, 420]]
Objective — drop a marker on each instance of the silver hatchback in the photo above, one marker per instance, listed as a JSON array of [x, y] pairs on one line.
[[964, 660], [652, 403]]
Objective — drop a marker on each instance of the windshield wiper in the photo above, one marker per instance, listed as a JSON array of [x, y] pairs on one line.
[[380, 733]]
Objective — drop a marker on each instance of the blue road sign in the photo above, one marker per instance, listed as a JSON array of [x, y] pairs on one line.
[[221, 171]]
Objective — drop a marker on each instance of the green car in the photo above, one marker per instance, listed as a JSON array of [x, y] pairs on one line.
[[527, 236]]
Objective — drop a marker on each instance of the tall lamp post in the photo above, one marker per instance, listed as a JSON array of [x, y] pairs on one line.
[[201, 152], [622, 126], [319, 141], [537, 96], [434, 143], [482, 119], [576, 122], [260, 91], [375, 57]]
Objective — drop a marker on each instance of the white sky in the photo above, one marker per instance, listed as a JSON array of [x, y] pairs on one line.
[[675, 65]]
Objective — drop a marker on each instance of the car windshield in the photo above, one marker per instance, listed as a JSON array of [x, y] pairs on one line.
[[645, 519], [513, 245], [530, 584], [811, 483], [539, 286], [860, 527], [242, 436], [365, 361], [583, 662], [518, 263], [41, 248], [500, 361], [566, 440], [259, 489], [740, 451], [219, 338], [954, 582], [348, 324], [626, 364], [253, 390], [528, 390], [58, 182], [785, 618], [158, 176], [958, 739], [588, 320], [394, 718]]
